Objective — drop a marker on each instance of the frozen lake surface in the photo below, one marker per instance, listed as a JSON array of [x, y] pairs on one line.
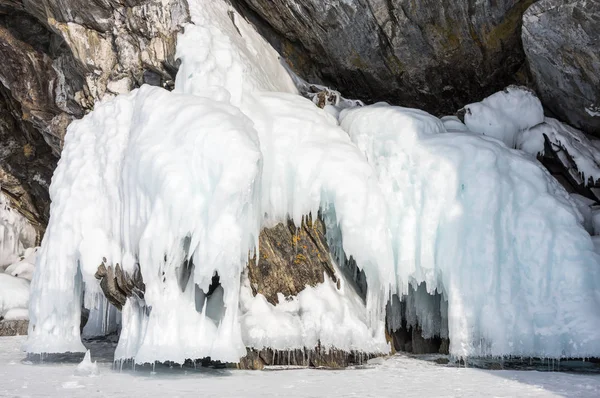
[[396, 376]]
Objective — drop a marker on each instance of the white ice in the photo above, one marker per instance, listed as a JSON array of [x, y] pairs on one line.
[[86, 367], [515, 116], [14, 295], [24, 267], [16, 233], [579, 147], [488, 228], [322, 315], [504, 114], [159, 178]]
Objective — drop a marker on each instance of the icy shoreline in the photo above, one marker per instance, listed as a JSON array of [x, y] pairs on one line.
[[382, 378], [177, 187]]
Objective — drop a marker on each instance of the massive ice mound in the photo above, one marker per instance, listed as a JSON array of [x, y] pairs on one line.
[[490, 230], [152, 178], [178, 185]]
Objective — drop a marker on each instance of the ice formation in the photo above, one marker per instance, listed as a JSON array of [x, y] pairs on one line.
[[25, 266], [581, 150], [86, 367], [322, 315], [14, 294], [180, 184], [505, 114], [489, 229], [158, 179], [515, 116], [16, 233]]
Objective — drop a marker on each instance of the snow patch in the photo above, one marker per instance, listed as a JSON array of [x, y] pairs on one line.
[[14, 293], [583, 152], [324, 314]]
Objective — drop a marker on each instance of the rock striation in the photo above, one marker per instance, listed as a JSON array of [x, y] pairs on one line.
[[561, 42]]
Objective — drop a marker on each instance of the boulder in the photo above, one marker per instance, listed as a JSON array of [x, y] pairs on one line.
[[561, 43], [13, 328], [290, 259]]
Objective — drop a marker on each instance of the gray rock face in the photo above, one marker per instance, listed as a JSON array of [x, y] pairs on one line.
[[58, 58], [26, 163], [432, 54], [562, 43]]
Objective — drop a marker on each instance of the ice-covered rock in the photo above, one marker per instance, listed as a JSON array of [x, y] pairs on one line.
[[14, 293], [584, 205], [505, 114], [24, 267], [86, 367], [577, 147], [179, 185], [487, 228]]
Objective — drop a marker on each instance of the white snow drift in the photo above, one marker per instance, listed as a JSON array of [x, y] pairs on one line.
[[156, 179]]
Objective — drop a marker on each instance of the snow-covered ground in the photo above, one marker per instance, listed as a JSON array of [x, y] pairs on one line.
[[396, 376]]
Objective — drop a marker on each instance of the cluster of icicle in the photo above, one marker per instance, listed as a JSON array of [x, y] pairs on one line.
[[156, 179]]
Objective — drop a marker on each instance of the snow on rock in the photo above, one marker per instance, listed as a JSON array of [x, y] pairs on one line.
[[24, 267], [580, 149], [322, 315], [14, 293], [454, 125], [16, 233], [17, 314], [504, 114], [489, 229], [86, 367], [584, 205]]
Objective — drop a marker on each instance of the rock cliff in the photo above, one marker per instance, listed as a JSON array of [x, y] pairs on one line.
[[563, 50]]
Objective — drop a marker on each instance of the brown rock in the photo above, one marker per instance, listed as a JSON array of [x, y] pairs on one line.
[[290, 259], [13, 328], [317, 357], [118, 285]]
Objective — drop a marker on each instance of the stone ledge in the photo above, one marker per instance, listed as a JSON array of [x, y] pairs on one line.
[[13, 328], [318, 357]]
